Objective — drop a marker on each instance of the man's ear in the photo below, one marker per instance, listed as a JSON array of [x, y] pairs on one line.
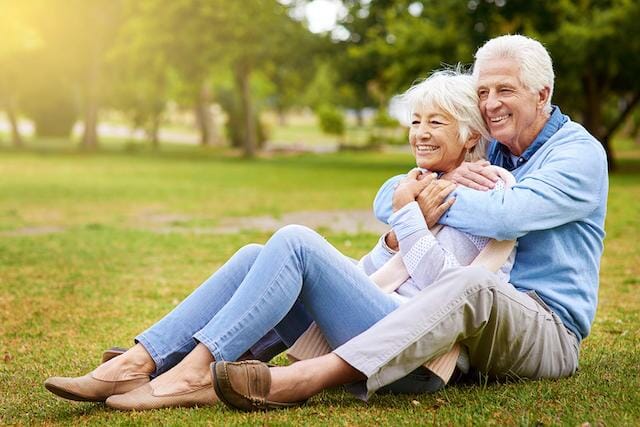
[[543, 96]]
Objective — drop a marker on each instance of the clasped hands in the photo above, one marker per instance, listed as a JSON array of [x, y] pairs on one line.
[[431, 193]]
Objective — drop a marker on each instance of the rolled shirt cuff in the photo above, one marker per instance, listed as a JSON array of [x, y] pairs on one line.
[[407, 220]]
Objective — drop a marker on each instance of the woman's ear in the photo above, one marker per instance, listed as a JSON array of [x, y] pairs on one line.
[[472, 140]]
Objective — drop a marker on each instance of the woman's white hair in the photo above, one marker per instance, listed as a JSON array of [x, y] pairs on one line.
[[453, 92], [536, 68]]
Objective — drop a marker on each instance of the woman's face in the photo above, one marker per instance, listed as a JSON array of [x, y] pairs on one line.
[[435, 140]]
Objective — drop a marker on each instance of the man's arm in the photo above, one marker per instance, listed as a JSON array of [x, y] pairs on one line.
[[382, 204], [567, 187], [477, 175]]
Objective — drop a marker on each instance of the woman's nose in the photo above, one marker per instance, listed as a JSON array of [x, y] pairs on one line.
[[424, 132]]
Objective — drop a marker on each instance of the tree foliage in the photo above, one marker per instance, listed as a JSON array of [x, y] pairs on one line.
[[136, 55]]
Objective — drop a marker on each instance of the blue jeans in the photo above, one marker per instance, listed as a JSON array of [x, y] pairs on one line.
[[296, 277]]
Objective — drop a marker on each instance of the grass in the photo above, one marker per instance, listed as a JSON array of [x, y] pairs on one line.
[[81, 269]]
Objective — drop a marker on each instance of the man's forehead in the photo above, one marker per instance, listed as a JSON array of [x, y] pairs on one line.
[[497, 71]]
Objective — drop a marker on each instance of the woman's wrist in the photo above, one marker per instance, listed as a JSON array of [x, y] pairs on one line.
[[391, 241]]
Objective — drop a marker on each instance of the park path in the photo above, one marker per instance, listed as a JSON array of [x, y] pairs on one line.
[[337, 221]]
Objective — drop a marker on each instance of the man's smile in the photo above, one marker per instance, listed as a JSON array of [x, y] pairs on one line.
[[499, 119]]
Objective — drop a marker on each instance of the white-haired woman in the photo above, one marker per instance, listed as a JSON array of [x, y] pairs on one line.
[[297, 277]]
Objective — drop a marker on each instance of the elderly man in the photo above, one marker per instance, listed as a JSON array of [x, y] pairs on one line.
[[529, 328]]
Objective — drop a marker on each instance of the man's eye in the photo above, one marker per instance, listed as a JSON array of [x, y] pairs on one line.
[[483, 93], [506, 90]]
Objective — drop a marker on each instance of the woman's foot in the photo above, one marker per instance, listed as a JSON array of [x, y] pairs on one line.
[[119, 375], [186, 384], [131, 364]]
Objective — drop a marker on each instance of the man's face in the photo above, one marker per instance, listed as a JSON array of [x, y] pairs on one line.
[[512, 112]]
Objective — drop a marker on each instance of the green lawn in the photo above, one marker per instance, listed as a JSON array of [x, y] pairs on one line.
[[84, 265]]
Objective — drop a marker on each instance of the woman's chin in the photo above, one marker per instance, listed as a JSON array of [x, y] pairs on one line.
[[426, 165]]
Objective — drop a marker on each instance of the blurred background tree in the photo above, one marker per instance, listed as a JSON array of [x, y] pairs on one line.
[[65, 61]]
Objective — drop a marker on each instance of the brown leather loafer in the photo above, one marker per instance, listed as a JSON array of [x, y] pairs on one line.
[[90, 389], [245, 385], [144, 398], [112, 352]]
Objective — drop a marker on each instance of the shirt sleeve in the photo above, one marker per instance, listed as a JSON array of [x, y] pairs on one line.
[[379, 255], [566, 188], [423, 255], [382, 204]]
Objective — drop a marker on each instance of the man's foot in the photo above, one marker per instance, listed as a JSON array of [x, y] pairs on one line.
[[246, 386]]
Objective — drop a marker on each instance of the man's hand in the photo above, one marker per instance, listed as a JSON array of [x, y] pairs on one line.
[[408, 189], [432, 200], [476, 175]]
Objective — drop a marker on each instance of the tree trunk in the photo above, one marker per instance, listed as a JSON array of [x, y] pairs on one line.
[[243, 74], [592, 114], [16, 138], [282, 115], [154, 131], [90, 135], [204, 117], [359, 117]]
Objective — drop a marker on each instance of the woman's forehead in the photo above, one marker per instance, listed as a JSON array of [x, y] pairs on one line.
[[428, 108]]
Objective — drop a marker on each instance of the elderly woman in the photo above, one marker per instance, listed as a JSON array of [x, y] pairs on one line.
[[297, 277]]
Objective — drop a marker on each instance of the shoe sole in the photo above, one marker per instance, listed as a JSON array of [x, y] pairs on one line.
[[216, 386]]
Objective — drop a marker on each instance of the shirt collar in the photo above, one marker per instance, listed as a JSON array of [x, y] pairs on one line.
[[554, 123]]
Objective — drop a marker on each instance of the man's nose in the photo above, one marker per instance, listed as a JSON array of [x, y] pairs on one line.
[[493, 101]]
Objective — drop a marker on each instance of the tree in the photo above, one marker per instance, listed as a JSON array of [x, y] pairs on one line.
[[17, 41], [596, 58], [393, 43], [75, 35], [249, 41], [140, 72], [598, 63]]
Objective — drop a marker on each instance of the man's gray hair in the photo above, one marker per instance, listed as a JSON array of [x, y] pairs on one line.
[[536, 68], [454, 93]]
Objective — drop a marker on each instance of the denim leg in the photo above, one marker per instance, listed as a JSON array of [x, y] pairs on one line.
[[171, 338], [296, 264]]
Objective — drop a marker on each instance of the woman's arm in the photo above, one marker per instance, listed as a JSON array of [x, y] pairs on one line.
[[379, 255], [426, 256]]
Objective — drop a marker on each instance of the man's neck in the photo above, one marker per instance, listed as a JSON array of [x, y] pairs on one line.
[[525, 141]]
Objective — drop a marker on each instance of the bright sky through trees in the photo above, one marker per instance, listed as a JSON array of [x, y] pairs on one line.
[[322, 14]]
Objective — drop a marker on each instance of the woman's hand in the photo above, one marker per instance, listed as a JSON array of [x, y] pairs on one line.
[[476, 175], [410, 187], [432, 200]]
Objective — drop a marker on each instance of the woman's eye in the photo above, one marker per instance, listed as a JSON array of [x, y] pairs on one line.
[[436, 122], [415, 122]]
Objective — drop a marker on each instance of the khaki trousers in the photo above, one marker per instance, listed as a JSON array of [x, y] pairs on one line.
[[508, 333]]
